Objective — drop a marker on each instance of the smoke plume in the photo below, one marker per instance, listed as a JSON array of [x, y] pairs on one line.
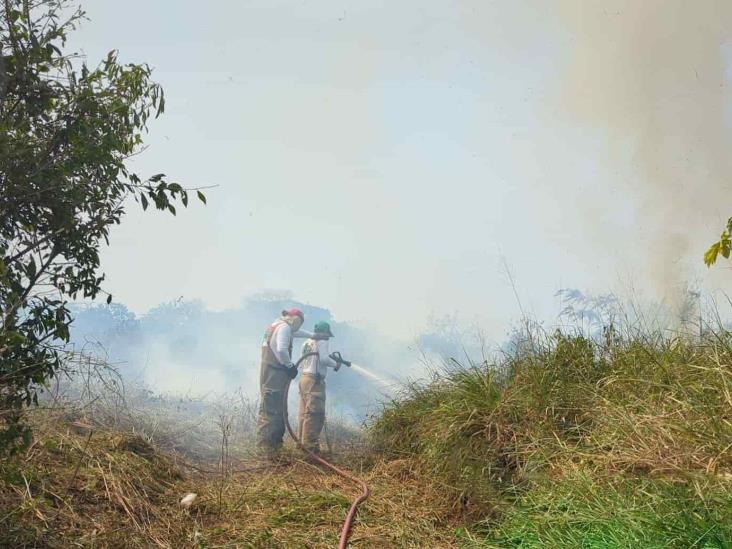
[[653, 77]]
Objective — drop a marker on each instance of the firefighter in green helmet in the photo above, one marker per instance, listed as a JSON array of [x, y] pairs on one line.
[[312, 384]]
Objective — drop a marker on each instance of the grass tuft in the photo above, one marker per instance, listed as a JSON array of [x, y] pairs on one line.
[[578, 442]]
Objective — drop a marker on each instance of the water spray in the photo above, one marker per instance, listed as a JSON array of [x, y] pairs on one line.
[[336, 356], [371, 375]]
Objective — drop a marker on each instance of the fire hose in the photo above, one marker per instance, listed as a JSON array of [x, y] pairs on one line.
[[348, 524]]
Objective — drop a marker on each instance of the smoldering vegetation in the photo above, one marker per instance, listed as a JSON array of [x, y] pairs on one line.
[[183, 350], [186, 379]]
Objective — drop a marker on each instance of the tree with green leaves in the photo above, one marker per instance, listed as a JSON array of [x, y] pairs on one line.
[[722, 247], [67, 130]]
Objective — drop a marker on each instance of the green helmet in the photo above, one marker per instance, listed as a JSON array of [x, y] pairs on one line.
[[323, 328]]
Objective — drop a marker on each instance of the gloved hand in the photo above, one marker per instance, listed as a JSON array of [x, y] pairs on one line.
[[292, 371]]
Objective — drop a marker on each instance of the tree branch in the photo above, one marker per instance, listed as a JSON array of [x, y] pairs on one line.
[[33, 247], [31, 284]]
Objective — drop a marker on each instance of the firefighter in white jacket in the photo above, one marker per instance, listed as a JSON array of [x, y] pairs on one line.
[[275, 374], [312, 385]]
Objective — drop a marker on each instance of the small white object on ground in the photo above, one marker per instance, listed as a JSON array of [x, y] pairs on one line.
[[188, 500]]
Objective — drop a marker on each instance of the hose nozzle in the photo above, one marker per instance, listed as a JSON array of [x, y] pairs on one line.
[[336, 356]]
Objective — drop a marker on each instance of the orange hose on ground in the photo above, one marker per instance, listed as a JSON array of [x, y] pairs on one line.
[[348, 524]]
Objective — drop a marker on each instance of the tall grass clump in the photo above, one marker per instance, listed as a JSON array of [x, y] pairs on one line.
[[569, 440]]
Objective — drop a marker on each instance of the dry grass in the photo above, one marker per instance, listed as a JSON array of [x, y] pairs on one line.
[[95, 488], [82, 487], [303, 506]]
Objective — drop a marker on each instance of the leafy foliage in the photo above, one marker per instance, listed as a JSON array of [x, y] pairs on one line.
[[722, 246], [66, 131]]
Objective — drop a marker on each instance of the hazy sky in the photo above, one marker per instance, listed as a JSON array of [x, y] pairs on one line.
[[385, 159]]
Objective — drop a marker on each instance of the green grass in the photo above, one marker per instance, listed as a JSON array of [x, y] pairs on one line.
[[571, 442], [624, 512]]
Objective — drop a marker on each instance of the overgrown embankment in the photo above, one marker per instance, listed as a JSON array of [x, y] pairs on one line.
[[568, 442], [572, 442]]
